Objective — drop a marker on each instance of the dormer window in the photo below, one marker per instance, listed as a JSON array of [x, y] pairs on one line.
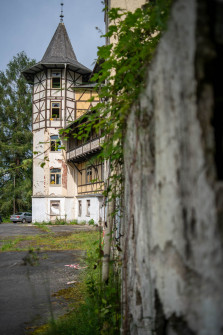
[[56, 80], [55, 110]]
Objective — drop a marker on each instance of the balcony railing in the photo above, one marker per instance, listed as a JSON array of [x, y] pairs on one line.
[[85, 149]]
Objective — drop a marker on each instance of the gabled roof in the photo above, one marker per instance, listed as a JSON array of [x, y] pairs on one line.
[[59, 54]]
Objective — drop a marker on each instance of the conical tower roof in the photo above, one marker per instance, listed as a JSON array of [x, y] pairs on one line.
[[60, 48], [59, 54]]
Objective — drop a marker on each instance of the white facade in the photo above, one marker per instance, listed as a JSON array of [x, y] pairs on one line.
[[90, 207]]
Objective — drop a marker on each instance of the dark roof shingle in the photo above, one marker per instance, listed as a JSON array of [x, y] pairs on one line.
[[60, 48], [58, 53]]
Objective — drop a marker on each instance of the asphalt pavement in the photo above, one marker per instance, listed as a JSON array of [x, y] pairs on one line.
[[26, 291]]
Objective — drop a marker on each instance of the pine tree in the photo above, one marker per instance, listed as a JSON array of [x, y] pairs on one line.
[[15, 137]]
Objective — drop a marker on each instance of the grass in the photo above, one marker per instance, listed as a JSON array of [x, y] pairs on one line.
[[51, 241], [42, 226], [62, 222]]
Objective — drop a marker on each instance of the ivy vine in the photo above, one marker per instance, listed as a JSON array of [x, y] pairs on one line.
[[123, 66]]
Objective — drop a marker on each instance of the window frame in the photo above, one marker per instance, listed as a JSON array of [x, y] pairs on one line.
[[56, 146], [51, 110], [54, 202], [89, 173], [79, 207], [53, 76], [55, 176], [88, 205]]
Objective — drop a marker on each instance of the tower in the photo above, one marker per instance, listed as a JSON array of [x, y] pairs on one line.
[[54, 107]]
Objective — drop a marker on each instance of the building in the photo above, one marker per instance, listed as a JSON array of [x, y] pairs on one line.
[[65, 181], [130, 6]]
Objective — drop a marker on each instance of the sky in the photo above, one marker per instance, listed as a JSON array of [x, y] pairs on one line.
[[29, 25]]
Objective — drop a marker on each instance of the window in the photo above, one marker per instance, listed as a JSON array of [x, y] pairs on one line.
[[88, 208], [55, 143], [55, 110], [55, 176], [102, 171], [79, 207], [54, 207], [88, 175], [56, 79]]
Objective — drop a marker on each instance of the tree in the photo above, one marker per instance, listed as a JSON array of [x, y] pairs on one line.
[[15, 137]]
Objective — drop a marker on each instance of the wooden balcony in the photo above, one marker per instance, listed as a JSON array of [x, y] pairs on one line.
[[83, 152]]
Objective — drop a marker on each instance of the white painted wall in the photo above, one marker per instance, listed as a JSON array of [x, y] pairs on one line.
[[39, 210], [96, 212]]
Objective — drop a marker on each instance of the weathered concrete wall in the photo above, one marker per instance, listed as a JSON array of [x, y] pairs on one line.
[[172, 244]]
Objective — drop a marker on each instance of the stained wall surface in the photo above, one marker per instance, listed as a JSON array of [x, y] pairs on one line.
[[129, 5], [172, 244]]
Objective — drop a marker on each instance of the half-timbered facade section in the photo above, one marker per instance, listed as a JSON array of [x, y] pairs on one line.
[[58, 100], [89, 168]]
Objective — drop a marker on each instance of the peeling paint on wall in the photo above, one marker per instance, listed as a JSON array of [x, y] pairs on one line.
[[173, 250]]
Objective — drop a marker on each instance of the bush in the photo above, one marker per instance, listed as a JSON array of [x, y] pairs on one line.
[[91, 222]]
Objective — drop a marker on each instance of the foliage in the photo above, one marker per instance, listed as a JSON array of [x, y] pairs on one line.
[[91, 222], [60, 222], [123, 62], [15, 137], [74, 222]]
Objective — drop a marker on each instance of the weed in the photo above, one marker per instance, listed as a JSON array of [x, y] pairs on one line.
[[82, 222], [43, 223], [91, 222], [60, 222], [73, 222], [32, 257], [7, 245], [42, 226]]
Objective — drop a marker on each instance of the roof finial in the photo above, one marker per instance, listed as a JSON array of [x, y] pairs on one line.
[[61, 14]]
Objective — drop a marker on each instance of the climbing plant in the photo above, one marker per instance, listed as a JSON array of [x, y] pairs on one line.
[[123, 63]]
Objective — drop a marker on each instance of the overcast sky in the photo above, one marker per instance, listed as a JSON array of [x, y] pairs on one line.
[[29, 25]]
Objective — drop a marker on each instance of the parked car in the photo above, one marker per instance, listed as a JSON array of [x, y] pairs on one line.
[[21, 217]]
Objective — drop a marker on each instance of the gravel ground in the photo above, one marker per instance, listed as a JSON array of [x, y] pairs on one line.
[[25, 290]]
